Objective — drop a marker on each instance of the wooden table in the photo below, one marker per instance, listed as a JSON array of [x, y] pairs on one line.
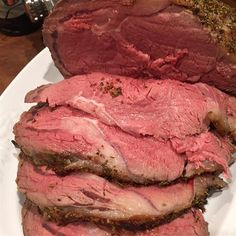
[[15, 53]]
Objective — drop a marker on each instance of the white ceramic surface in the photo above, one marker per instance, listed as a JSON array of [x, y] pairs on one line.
[[220, 212]]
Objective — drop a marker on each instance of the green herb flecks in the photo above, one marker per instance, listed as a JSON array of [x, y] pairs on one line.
[[218, 17], [109, 87]]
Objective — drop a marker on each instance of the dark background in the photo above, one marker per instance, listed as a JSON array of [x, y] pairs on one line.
[[15, 53]]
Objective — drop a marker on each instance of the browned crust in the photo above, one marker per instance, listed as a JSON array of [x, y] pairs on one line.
[[218, 17], [60, 163], [133, 224], [204, 187], [30, 207]]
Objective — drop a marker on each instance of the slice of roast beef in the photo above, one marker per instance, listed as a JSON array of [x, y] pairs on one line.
[[89, 197], [65, 139], [190, 224], [35, 225], [163, 109], [145, 38]]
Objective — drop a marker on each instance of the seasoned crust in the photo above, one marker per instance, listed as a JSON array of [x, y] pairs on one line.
[[217, 16], [191, 223], [204, 186]]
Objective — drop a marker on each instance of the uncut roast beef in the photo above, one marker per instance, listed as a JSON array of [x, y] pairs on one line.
[[190, 224], [183, 40], [162, 109], [89, 197], [65, 139]]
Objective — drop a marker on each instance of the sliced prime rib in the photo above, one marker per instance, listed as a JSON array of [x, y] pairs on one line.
[[163, 109], [145, 38], [35, 225], [190, 224], [66, 139], [90, 197]]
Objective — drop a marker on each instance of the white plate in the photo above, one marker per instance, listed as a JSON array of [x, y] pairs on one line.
[[221, 210], [40, 70]]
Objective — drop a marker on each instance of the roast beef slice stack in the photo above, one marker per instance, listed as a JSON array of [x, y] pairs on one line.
[[122, 136], [85, 196], [161, 109], [185, 40], [152, 131], [66, 139], [190, 224]]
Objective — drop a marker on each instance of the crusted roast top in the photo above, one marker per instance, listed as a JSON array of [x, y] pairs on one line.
[[220, 18]]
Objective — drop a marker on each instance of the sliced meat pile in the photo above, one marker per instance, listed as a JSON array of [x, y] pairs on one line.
[[88, 196], [84, 143], [145, 38], [89, 155], [112, 150], [162, 109], [190, 224], [125, 136]]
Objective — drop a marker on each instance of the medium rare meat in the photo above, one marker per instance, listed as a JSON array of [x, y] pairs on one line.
[[190, 224], [163, 109], [145, 38], [35, 225], [87, 196], [64, 139]]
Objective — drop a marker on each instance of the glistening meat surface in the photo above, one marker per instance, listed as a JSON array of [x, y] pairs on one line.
[[163, 109], [87, 196], [35, 225], [65, 139], [138, 38], [190, 224]]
